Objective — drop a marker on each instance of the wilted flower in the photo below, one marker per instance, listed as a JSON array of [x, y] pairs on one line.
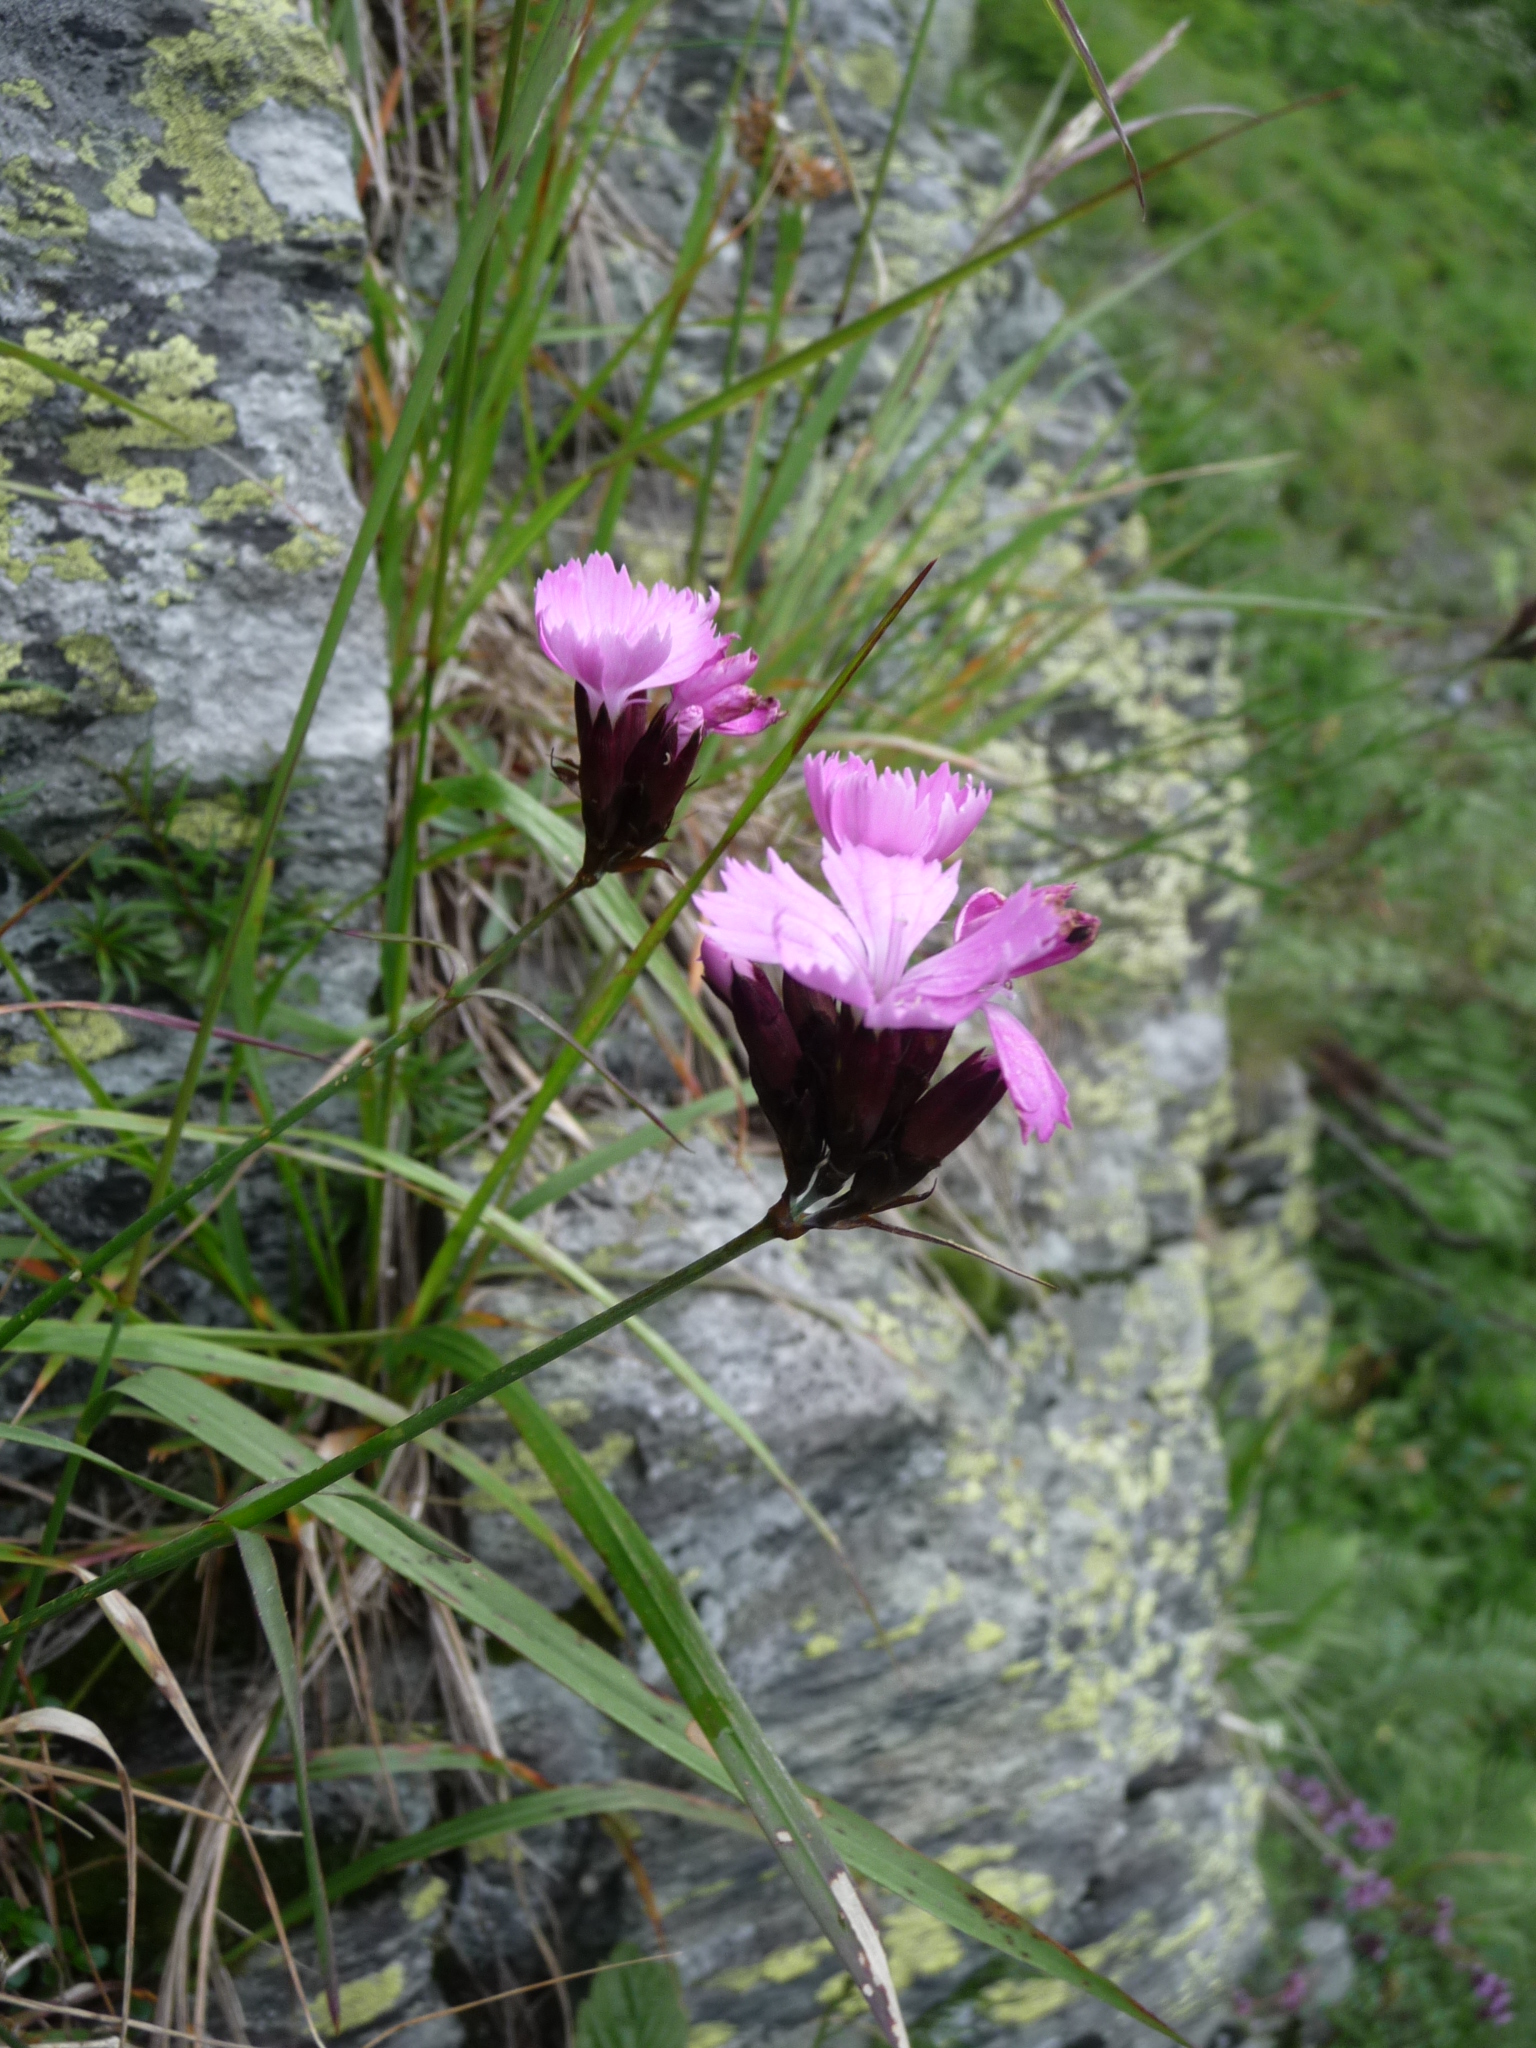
[[621, 641], [843, 1052]]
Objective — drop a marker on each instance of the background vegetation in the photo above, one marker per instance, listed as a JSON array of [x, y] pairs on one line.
[[1367, 304]]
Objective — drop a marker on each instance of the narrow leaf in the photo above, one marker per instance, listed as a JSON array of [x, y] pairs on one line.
[[813, 1866], [267, 1594]]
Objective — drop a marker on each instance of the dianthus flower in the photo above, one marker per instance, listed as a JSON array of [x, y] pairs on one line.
[[843, 1052], [621, 642]]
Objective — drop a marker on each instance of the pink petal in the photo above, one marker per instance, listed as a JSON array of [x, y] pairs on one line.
[[976, 909], [928, 817], [944, 990], [1038, 1091], [893, 902], [720, 698], [777, 919], [619, 638]]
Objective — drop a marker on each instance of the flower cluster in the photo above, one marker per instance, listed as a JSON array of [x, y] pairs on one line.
[[1368, 1831], [843, 1052], [1366, 1891], [622, 643]]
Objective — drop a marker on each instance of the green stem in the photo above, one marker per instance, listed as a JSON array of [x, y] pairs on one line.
[[221, 1168], [397, 978], [743, 282], [62, 1495], [265, 1503]]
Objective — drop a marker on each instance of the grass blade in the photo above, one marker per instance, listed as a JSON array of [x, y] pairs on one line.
[[813, 1866], [261, 1574]]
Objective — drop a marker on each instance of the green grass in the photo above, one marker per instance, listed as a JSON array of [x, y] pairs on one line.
[[1371, 308], [1367, 305]]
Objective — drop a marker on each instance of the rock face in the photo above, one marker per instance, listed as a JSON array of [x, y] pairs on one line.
[[1012, 1657], [177, 223], [1037, 1520]]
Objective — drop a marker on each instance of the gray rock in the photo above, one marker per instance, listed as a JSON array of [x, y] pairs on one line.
[[1037, 1522], [1330, 1965], [385, 1955], [178, 222]]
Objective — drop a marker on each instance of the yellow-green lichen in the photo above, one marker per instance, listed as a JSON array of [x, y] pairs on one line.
[[918, 1945], [710, 2034], [110, 689], [1267, 1302], [984, 1635], [168, 379], [780, 1966], [522, 1470], [363, 2001], [91, 1035], [28, 91], [305, 551], [40, 211], [21, 387], [251, 497], [950, 1594], [196, 85], [148, 489], [424, 1902], [213, 824], [347, 327], [821, 1645], [67, 561]]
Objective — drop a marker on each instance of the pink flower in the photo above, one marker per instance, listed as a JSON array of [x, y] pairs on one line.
[[859, 950], [620, 641], [843, 1056], [930, 816]]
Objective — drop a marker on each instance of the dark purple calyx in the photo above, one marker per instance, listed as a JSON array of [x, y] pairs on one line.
[[631, 773], [858, 1123]]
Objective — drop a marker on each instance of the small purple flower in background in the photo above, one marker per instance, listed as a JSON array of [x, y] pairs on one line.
[[1493, 1998], [1369, 1889], [1293, 1991], [1376, 1831], [1371, 1948], [1445, 1912], [1312, 1794], [620, 642], [843, 1053]]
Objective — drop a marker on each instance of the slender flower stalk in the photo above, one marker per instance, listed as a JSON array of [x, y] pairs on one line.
[[269, 1502], [621, 642], [843, 1052]]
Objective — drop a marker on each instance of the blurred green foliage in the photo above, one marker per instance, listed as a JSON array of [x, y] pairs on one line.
[[1367, 305]]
